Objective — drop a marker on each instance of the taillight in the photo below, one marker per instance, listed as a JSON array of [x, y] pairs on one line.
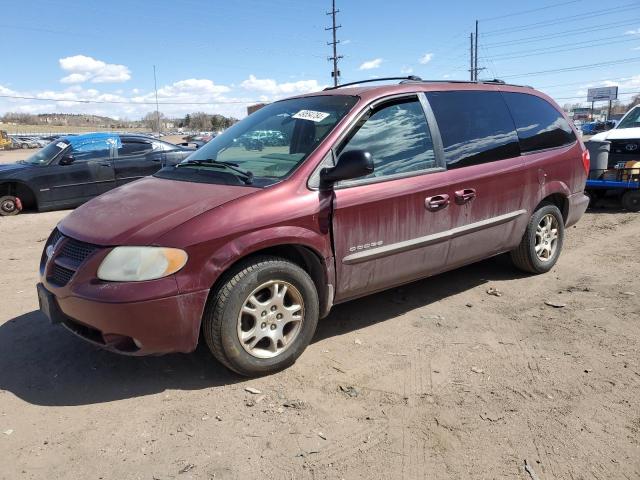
[[586, 160]]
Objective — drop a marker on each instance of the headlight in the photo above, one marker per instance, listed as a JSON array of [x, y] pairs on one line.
[[135, 264]]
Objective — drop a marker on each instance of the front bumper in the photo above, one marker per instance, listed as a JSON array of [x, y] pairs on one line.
[[162, 325], [578, 203]]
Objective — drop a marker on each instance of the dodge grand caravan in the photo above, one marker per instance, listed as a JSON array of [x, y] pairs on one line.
[[370, 187]]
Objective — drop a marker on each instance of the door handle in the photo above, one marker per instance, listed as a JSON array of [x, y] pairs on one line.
[[436, 202], [105, 164], [465, 195]]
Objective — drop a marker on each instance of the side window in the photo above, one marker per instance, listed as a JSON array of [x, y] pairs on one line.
[[92, 150], [538, 123], [475, 126], [398, 138], [134, 148]]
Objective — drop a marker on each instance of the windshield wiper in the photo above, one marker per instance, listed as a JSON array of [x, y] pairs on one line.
[[246, 175]]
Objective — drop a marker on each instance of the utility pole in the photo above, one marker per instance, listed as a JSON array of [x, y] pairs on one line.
[[155, 86], [335, 73], [471, 56], [475, 55]]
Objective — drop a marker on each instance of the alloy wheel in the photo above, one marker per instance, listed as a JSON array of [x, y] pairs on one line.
[[546, 238], [270, 319]]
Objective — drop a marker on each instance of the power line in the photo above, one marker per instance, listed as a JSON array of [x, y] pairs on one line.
[[564, 33], [335, 73], [582, 96], [117, 102], [575, 68], [522, 12], [560, 48], [581, 82], [594, 13]]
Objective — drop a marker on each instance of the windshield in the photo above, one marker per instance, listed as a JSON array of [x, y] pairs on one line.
[[273, 141], [47, 154], [631, 119]]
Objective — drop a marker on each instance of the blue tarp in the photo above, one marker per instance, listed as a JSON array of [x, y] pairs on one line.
[[93, 141]]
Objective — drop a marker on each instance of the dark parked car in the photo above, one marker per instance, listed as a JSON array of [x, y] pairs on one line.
[[74, 169], [375, 187], [592, 128]]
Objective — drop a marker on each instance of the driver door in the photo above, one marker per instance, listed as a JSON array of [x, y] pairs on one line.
[[79, 175], [387, 227]]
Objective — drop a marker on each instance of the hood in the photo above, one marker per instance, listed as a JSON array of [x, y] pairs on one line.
[[618, 134], [10, 167], [139, 212]]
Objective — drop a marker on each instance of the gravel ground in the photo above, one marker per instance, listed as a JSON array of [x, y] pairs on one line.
[[437, 379]]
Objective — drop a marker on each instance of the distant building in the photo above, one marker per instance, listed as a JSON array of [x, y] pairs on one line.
[[254, 108], [581, 113]]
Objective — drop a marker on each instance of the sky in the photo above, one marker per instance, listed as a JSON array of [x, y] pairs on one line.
[[219, 57]]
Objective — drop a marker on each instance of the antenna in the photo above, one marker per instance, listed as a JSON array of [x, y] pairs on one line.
[[335, 73], [155, 86]]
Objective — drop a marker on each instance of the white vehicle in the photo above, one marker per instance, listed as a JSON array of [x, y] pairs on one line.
[[624, 139]]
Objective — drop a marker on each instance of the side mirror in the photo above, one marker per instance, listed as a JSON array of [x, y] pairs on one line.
[[351, 164], [67, 159]]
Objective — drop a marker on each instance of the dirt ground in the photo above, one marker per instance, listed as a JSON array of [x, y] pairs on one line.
[[435, 380]]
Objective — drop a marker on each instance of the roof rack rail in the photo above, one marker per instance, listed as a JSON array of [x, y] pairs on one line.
[[416, 79], [412, 78]]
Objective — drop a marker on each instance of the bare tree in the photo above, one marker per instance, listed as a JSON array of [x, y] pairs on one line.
[[150, 120]]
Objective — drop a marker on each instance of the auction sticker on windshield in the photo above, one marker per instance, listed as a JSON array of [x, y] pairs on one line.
[[311, 115], [61, 145]]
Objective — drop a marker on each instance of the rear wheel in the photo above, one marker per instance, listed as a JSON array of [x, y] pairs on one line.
[[541, 244], [9, 205], [24, 146], [631, 200], [262, 316]]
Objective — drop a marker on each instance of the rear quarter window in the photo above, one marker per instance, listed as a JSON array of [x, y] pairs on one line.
[[539, 125], [476, 127]]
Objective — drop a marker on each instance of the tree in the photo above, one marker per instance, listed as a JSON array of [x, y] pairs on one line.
[[150, 120]]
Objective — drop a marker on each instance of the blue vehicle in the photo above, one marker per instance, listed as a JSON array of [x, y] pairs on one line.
[[591, 128]]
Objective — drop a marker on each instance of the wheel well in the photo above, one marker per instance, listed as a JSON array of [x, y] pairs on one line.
[[20, 190], [560, 201], [304, 257]]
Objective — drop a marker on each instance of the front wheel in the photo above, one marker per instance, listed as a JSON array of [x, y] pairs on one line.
[[541, 243], [9, 205], [262, 317]]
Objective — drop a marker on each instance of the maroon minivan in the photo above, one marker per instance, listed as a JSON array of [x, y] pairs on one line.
[[313, 201]]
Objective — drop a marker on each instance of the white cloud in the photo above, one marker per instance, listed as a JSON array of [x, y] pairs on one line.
[[406, 70], [370, 64], [633, 32], [7, 91], [271, 87], [180, 97], [83, 69], [426, 58]]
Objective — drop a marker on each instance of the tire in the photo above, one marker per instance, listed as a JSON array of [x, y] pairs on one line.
[[524, 257], [631, 200], [9, 206], [223, 323], [24, 146]]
